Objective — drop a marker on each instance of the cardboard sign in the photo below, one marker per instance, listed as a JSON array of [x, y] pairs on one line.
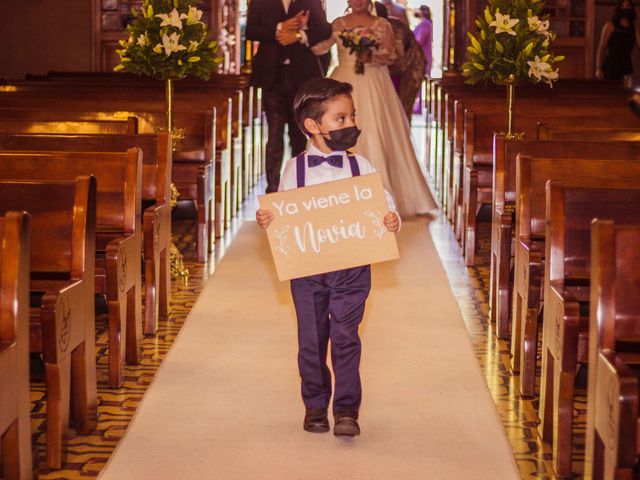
[[328, 227]]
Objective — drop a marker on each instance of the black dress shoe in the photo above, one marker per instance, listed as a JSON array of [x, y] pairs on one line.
[[346, 424], [316, 421]]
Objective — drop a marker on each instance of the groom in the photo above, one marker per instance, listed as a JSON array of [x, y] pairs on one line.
[[286, 29]]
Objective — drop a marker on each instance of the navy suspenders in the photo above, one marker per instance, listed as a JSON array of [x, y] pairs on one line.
[[355, 169], [300, 168], [301, 165]]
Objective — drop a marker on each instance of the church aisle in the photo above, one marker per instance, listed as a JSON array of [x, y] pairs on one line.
[[225, 403]]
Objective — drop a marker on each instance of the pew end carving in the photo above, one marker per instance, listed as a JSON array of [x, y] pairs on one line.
[[62, 322]]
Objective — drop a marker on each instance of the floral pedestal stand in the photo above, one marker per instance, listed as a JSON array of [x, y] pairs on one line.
[[511, 134], [178, 270]]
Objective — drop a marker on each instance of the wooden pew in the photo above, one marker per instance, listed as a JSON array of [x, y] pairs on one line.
[[238, 162], [503, 206], [210, 163], [247, 143], [479, 128], [193, 170], [239, 81], [15, 422], [62, 323], [456, 170], [531, 178], [118, 237], [614, 345], [156, 217], [476, 176], [443, 93], [252, 104], [548, 131], [565, 341], [432, 135], [446, 182], [436, 158], [491, 101], [442, 149], [257, 135], [106, 93], [246, 98], [494, 96], [209, 158], [12, 125]]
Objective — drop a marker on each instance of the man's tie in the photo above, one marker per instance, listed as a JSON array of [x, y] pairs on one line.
[[333, 160]]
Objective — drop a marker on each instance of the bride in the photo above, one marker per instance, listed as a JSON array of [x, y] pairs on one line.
[[385, 139]]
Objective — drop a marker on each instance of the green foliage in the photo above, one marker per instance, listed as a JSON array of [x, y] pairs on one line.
[[512, 44], [167, 39]]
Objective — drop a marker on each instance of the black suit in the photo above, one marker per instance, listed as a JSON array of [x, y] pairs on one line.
[[281, 81]]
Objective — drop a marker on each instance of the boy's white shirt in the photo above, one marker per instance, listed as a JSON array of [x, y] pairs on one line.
[[327, 173]]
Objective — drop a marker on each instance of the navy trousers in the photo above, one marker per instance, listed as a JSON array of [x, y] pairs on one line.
[[330, 306]]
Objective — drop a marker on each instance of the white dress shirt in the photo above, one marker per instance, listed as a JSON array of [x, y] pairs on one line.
[[326, 173]]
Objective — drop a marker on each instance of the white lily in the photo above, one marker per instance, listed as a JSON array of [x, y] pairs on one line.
[[193, 46], [504, 24], [193, 16], [543, 29], [539, 26], [171, 43], [542, 71], [534, 23], [170, 20], [143, 40]]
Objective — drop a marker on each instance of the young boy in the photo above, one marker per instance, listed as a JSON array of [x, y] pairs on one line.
[[330, 305]]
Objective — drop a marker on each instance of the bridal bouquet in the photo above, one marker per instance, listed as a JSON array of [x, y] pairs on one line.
[[359, 41]]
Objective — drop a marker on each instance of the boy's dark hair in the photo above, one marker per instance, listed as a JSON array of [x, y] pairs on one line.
[[312, 96]]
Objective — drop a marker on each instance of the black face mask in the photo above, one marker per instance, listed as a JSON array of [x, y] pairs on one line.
[[342, 139]]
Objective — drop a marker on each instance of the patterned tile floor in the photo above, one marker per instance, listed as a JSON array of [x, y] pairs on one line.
[[518, 415], [86, 455]]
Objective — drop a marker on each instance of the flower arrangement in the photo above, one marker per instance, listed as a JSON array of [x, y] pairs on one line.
[[168, 40], [360, 41], [512, 45]]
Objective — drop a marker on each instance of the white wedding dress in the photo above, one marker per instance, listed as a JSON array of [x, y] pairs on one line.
[[386, 137]]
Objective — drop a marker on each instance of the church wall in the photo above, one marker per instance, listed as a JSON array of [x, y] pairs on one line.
[[42, 35]]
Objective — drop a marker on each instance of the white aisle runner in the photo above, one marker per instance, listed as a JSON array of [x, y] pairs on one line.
[[226, 404]]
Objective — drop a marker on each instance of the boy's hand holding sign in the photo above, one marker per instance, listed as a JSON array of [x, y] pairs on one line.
[[328, 227]]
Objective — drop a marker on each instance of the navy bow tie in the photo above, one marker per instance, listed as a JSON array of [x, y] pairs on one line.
[[333, 160]]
